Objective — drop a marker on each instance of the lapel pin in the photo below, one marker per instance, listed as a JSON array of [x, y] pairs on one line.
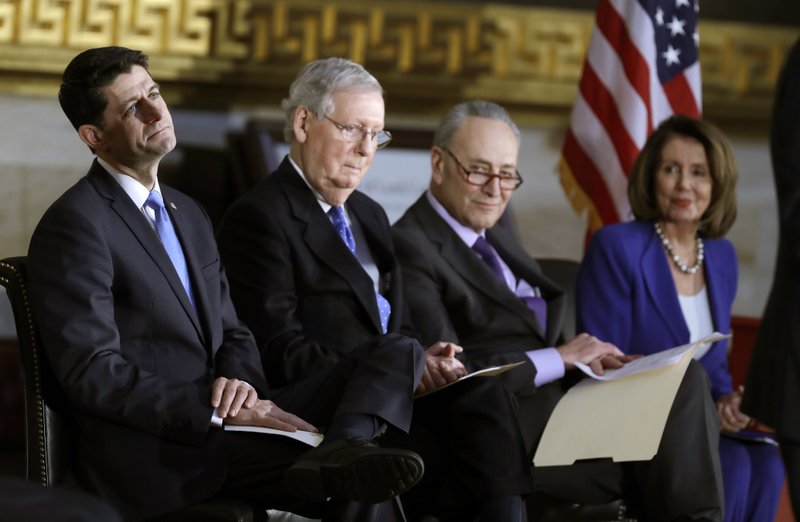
[[171, 204]]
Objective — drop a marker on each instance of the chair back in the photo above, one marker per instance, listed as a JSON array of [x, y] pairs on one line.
[[49, 441], [253, 154], [564, 273]]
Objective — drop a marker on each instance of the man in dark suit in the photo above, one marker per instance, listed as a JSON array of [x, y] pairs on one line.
[[469, 282], [142, 336], [772, 393], [338, 294]]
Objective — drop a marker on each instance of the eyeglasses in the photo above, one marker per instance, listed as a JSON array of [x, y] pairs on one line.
[[475, 176], [356, 133]]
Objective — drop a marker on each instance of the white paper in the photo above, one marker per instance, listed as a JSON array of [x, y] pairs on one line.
[[307, 437], [652, 361]]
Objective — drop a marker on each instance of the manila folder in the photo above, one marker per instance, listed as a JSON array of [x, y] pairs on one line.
[[621, 419]]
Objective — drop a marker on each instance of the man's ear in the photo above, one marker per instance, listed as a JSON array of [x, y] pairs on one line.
[[437, 165], [300, 122], [91, 135]]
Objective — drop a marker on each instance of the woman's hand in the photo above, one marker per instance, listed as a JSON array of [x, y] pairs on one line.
[[731, 417]]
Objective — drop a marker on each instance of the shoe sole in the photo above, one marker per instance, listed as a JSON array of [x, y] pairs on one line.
[[370, 478]]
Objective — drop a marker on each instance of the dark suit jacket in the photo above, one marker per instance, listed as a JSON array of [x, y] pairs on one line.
[[773, 383], [131, 354], [454, 296], [626, 295], [306, 298]]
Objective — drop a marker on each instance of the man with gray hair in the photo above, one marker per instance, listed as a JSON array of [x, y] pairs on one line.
[[313, 274], [475, 285]]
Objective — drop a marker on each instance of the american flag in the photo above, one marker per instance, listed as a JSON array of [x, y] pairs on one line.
[[641, 67]]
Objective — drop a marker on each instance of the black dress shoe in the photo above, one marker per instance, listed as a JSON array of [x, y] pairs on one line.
[[353, 469]]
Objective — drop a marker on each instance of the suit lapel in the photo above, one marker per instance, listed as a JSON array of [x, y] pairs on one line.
[[133, 219], [661, 290], [524, 267], [467, 264], [714, 284], [324, 242]]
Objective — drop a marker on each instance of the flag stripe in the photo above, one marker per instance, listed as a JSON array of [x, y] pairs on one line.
[[695, 84], [591, 183], [605, 67], [594, 141], [603, 105], [680, 96], [611, 24]]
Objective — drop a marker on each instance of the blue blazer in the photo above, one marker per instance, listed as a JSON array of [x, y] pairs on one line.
[[625, 295]]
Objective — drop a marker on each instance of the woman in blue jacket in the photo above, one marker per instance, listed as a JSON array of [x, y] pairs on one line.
[[669, 278]]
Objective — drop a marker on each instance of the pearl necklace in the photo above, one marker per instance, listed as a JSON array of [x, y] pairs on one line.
[[678, 261]]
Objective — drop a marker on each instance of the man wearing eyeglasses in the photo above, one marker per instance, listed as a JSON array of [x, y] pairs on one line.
[[470, 282], [313, 274]]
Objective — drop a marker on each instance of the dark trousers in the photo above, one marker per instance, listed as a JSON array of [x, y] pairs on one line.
[[683, 480], [466, 434], [377, 379], [256, 465], [472, 448]]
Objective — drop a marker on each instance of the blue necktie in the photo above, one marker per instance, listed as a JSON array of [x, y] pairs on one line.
[[169, 239], [340, 224], [536, 304]]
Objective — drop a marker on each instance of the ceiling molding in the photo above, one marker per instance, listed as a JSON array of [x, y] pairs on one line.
[[428, 55]]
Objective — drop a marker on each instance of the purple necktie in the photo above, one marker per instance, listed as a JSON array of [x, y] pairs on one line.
[[539, 307], [536, 304], [340, 224], [487, 253]]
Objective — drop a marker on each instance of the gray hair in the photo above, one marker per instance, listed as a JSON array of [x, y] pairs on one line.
[[480, 108], [318, 81]]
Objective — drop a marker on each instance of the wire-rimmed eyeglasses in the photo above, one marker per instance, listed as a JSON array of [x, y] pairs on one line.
[[355, 133], [508, 180]]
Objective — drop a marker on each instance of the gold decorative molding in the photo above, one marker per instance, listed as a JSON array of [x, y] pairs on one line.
[[427, 54]]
